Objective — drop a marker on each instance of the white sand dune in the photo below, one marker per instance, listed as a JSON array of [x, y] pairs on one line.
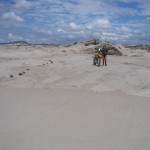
[[62, 101]]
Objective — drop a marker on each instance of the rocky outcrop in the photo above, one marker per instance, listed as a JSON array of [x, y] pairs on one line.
[[68, 45], [141, 47], [112, 50], [91, 42]]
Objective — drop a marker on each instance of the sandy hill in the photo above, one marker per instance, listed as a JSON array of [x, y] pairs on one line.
[[53, 97], [70, 66]]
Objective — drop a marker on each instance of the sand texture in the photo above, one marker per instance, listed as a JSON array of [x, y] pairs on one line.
[[53, 97]]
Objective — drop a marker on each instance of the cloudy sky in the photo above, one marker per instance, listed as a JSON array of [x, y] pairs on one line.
[[65, 21]]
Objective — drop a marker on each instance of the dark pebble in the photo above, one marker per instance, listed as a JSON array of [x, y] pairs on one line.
[[51, 61], [11, 76]]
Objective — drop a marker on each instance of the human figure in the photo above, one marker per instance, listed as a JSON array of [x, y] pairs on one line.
[[100, 53], [104, 53]]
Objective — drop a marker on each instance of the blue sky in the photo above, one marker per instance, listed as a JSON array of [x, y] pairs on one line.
[[66, 21]]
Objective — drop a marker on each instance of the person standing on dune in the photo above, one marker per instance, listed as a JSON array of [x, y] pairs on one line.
[[104, 53]]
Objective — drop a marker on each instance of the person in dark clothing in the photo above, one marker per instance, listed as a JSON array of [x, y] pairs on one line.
[[104, 53]]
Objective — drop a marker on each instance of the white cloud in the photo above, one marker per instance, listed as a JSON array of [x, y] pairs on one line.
[[125, 29], [42, 32], [145, 9], [98, 24], [22, 4], [77, 20], [73, 26], [102, 22], [60, 30], [100, 28], [109, 34], [10, 36], [11, 16], [14, 37], [143, 5]]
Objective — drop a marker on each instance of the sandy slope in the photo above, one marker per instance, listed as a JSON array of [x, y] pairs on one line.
[[64, 102], [72, 69]]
